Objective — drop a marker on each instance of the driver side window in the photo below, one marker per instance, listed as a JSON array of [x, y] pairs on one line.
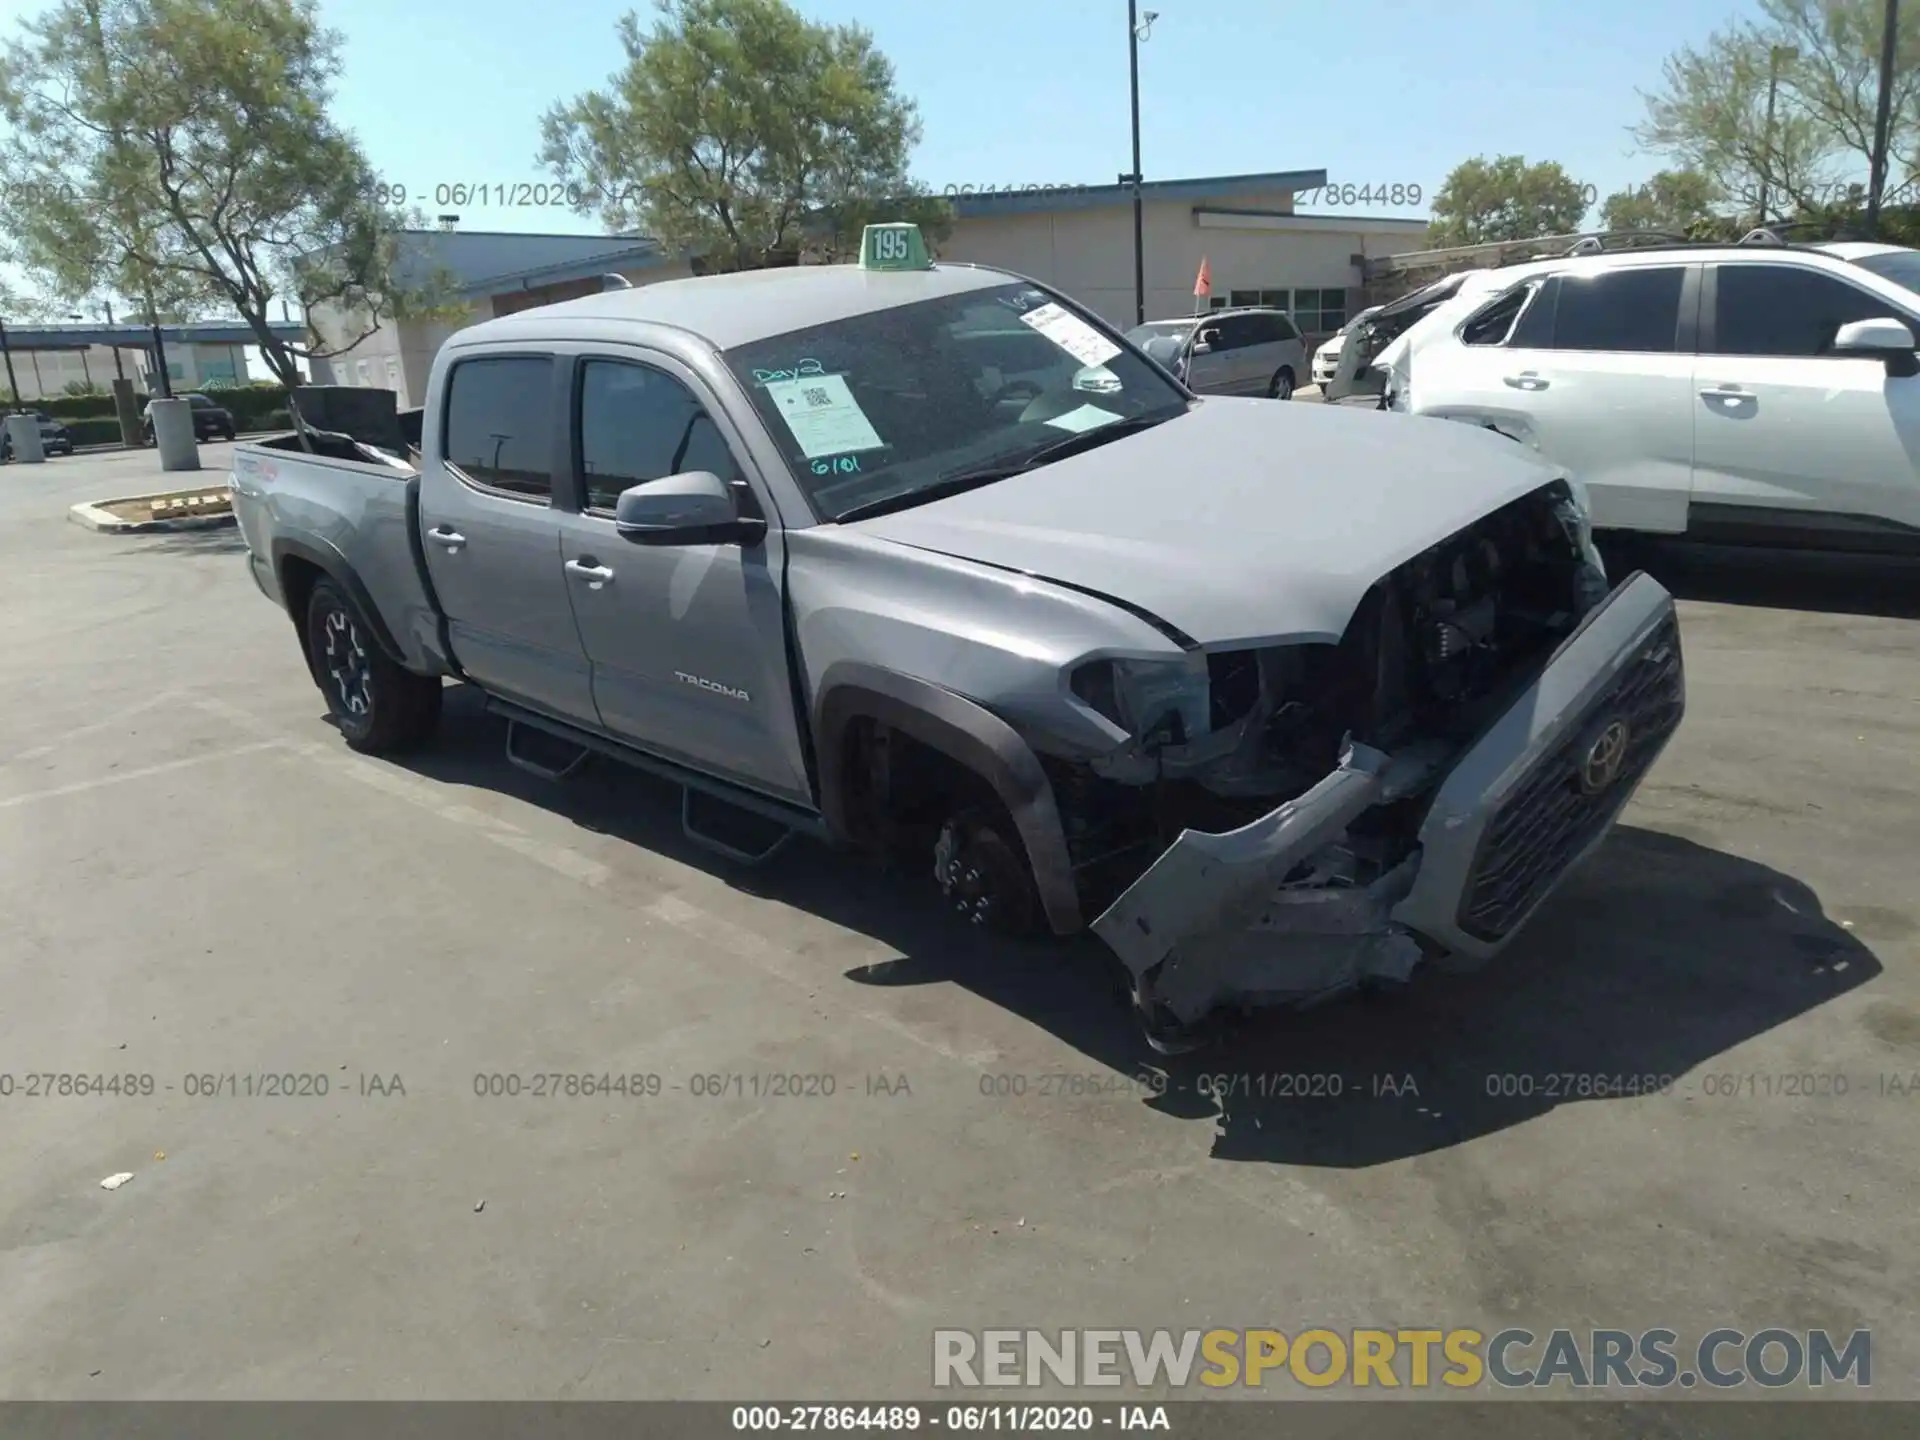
[[637, 423]]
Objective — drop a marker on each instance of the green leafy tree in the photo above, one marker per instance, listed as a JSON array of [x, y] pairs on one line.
[[1506, 199], [1821, 60], [1673, 201], [180, 153], [743, 134]]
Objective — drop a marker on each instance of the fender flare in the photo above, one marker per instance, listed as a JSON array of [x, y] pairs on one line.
[[332, 564], [965, 732]]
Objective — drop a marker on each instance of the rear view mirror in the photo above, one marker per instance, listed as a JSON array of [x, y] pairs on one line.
[[694, 508], [1883, 338]]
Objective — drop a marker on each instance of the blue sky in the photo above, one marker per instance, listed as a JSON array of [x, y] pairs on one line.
[[1395, 92], [1391, 92]]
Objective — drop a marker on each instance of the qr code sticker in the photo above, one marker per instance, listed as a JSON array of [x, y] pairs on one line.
[[816, 397]]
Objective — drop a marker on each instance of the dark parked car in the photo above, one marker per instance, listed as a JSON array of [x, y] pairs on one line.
[[55, 438], [210, 421]]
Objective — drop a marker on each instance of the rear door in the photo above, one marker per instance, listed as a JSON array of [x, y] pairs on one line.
[[1594, 370], [491, 538], [1794, 444], [1278, 347]]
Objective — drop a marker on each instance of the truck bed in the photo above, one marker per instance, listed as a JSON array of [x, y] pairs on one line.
[[348, 510]]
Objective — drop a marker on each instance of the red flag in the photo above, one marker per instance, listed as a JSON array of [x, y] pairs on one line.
[[1203, 282]]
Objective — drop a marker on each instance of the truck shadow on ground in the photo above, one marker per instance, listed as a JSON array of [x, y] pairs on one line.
[[1659, 955]]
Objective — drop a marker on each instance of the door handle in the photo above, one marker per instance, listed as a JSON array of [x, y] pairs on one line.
[[595, 575], [1526, 380], [445, 538], [1726, 392]]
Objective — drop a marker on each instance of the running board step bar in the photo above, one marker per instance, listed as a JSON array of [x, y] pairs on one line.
[[519, 733], [742, 836], [746, 827]]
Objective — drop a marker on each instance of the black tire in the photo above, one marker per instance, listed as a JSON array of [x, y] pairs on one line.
[[1281, 386], [380, 706]]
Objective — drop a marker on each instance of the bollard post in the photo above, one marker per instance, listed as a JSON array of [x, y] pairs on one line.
[[173, 435]]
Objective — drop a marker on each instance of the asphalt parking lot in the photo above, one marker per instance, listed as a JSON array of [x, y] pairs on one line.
[[203, 885]]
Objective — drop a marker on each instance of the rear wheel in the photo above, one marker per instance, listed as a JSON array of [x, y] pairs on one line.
[[379, 705]]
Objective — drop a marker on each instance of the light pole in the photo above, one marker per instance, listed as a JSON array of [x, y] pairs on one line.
[[1877, 174], [85, 369], [7, 350], [1775, 56], [1137, 29], [118, 369]]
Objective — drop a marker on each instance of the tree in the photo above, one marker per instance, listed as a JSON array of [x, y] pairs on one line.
[[741, 133], [1674, 201], [179, 153], [1506, 199], [1822, 59]]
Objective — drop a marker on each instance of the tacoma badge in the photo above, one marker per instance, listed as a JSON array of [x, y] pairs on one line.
[[712, 685]]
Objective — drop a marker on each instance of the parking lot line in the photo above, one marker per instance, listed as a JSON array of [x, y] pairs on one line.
[[119, 777]]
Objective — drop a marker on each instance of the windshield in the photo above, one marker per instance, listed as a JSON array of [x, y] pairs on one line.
[[882, 405], [1900, 266]]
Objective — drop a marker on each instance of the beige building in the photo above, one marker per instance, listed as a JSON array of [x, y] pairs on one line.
[[1258, 248]]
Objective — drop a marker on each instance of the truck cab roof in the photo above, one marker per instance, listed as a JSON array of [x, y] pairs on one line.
[[738, 309]]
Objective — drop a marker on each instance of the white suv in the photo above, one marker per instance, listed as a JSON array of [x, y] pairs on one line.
[[1759, 393]]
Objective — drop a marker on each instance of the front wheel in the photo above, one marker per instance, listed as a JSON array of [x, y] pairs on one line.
[[380, 706], [982, 869], [1282, 386]]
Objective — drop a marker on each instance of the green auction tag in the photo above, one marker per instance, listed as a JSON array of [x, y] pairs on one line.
[[897, 246]]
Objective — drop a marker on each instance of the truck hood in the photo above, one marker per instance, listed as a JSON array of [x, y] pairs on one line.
[[1241, 522]]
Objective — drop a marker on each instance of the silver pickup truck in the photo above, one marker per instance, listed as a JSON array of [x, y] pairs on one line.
[[1279, 699]]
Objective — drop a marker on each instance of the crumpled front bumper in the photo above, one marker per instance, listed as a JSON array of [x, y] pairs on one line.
[[1267, 913]]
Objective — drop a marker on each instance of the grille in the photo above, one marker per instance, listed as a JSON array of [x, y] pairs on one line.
[[1550, 819]]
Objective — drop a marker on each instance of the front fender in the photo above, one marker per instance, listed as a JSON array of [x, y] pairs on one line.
[[969, 734]]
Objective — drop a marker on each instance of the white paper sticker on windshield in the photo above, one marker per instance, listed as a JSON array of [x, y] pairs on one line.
[[823, 415], [1071, 334], [1087, 417]]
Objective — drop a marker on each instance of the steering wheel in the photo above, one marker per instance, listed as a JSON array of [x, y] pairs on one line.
[[1025, 392]]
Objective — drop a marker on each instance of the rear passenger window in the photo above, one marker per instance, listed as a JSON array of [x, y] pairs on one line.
[[638, 423], [1784, 310], [1494, 324], [1633, 310], [500, 423], [1277, 329]]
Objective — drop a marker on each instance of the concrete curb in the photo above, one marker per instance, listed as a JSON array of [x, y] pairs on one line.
[[94, 515]]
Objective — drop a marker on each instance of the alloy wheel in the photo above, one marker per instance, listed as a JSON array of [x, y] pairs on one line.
[[346, 664]]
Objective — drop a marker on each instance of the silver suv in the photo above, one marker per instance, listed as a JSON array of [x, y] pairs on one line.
[[1230, 352]]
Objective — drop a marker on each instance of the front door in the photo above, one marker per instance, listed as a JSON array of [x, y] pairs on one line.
[[491, 538], [1792, 442], [687, 643]]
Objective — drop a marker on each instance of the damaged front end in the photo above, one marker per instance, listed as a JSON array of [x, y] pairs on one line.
[[1290, 821]]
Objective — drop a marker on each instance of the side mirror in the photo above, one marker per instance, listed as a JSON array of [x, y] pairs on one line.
[[694, 508], [1882, 339]]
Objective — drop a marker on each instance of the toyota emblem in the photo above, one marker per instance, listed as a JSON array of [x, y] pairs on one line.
[[1600, 767]]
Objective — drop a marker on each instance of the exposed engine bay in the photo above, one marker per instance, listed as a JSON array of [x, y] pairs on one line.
[[1435, 650]]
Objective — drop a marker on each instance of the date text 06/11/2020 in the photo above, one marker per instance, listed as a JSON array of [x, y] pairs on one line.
[[504, 194]]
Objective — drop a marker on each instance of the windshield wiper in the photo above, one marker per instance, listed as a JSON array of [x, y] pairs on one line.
[[961, 481]]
